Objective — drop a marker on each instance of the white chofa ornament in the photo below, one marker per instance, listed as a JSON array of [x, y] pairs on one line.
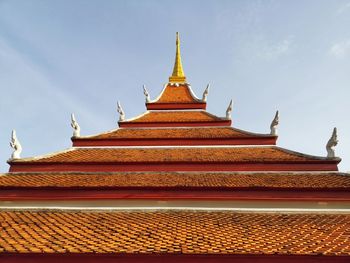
[[274, 124], [121, 112], [205, 93], [75, 126], [14, 143], [229, 110], [332, 142], [148, 98]]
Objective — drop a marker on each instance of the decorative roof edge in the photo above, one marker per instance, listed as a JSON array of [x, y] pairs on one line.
[[135, 118], [198, 100], [217, 121], [40, 156], [320, 158], [154, 128], [177, 172], [336, 159]]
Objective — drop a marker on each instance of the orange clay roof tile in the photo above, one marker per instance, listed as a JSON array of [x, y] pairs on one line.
[[170, 232], [180, 94], [175, 117], [177, 179], [152, 155], [174, 133]]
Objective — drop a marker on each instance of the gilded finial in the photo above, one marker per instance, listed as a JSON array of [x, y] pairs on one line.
[[178, 75]]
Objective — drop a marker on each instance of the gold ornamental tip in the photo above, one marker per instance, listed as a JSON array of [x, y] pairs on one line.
[[178, 75]]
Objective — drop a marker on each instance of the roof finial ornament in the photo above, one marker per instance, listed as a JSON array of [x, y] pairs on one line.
[[178, 75], [332, 142], [75, 126], [14, 143], [121, 112], [205, 93], [229, 110], [148, 98], [274, 124]]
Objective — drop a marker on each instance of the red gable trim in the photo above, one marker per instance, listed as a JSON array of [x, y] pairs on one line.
[[74, 193], [176, 106], [169, 258], [165, 167], [174, 124], [268, 140]]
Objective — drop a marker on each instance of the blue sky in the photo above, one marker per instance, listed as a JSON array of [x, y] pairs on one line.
[[58, 57]]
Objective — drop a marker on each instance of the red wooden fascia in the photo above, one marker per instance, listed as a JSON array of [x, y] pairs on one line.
[[126, 124], [322, 165], [261, 140], [176, 106], [163, 194], [168, 257]]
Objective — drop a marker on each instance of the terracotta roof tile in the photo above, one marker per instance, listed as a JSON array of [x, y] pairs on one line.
[[175, 117], [173, 94], [177, 179], [151, 155], [174, 133], [182, 232]]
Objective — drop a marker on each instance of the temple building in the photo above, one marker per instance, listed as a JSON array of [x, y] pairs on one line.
[[175, 184]]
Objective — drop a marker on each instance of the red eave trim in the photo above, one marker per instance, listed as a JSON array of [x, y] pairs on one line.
[[131, 124], [268, 140], [176, 106], [300, 195], [174, 257], [167, 167]]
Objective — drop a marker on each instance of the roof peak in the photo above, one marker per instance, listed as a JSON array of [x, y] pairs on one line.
[[178, 75]]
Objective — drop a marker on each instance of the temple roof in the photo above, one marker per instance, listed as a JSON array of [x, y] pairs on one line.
[[180, 120], [176, 133], [213, 158], [230, 180], [175, 136], [158, 172], [175, 119], [174, 154], [170, 232], [179, 96]]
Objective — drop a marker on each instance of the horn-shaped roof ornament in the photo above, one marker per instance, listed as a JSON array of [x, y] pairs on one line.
[[332, 142], [229, 110], [148, 97], [274, 124], [17, 148], [120, 111], [178, 75], [75, 126], [205, 93]]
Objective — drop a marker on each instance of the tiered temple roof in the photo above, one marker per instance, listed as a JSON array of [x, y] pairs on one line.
[[175, 136], [177, 184], [176, 97]]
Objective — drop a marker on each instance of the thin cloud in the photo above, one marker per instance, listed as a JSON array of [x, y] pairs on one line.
[[340, 49], [31, 81], [344, 8], [29, 96], [273, 51]]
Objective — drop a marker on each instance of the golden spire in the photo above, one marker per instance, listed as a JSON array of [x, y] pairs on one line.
[[178, 75]]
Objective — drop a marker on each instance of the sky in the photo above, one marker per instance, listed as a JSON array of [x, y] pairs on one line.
[[60, 57]]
